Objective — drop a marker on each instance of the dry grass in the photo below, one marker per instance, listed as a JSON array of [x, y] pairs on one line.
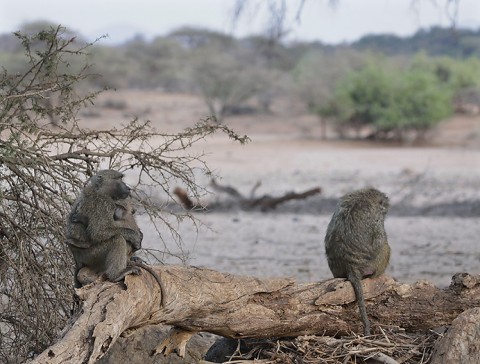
[[391, 346]]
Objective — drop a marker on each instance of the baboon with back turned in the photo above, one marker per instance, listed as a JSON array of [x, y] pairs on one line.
[[356, 242], [96, 240]]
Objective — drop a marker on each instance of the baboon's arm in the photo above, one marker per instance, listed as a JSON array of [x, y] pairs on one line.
[[102, 226]]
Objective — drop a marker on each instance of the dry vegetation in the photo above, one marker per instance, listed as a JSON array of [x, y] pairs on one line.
[[46, 157], [405, 348]]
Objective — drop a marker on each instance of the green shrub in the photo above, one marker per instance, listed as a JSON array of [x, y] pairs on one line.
[[391, 101]]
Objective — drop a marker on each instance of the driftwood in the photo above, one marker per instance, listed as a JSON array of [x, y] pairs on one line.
[[233, 306], [461, 344], [263, 203]]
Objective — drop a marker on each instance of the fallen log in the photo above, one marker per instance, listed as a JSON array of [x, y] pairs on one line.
[[461, 344], [198, 299]]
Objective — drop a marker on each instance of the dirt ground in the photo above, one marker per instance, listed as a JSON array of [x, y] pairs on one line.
[[433, 225]]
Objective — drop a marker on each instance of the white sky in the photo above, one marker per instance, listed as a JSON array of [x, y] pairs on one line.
[[122, 19]]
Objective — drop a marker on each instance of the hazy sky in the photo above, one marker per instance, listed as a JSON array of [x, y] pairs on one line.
[[348, 21]]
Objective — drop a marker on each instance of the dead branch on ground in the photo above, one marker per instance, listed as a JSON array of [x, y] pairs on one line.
[[263, 203]]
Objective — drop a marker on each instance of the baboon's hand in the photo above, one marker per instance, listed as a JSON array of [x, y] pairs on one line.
[[136, 259]]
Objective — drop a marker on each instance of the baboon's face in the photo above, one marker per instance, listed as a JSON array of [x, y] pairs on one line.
[[115, 188], [122, 211], [119, 190], [109, 182]]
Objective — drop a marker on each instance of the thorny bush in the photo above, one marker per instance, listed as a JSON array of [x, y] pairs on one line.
[[46, 157]]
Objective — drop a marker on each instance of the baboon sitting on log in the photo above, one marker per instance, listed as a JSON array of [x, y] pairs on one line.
[[96, 240], [123, 217], [356, 242]]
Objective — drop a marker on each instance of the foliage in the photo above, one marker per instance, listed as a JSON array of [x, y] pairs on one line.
[[317, 73], [164, 62], [418, 103], [390, 102], [43, 164], [435, 41], [365, 96], [389, 96], [316, 77], [452, 73], [159, 64], [239, 74]]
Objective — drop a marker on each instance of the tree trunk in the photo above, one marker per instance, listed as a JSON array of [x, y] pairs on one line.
[[233, 306]]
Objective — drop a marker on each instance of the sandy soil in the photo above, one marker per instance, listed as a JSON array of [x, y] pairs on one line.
[[433, 225]]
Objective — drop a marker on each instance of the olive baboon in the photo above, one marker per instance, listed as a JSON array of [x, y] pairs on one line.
[[93, 236], [356, 242], [124, 217]]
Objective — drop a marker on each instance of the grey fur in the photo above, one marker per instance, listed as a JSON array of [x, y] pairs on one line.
[[96, 240], [356, 242]]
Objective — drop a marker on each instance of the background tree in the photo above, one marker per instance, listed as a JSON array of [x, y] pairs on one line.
[[244, 75], [226, 76], [316, 76], [390, 102]]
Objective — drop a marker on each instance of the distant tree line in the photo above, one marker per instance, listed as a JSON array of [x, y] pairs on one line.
[[435, 41], [387, 85]]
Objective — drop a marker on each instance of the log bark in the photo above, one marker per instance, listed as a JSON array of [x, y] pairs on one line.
[[198, 299], [461, 344]]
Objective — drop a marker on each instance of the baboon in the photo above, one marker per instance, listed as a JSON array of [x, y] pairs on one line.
[[93, 236], [356, 242], [124, 217]]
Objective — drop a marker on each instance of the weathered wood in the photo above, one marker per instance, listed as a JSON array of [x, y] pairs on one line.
[[241, 306], [267, 202], [264, 203], [461, 344]]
